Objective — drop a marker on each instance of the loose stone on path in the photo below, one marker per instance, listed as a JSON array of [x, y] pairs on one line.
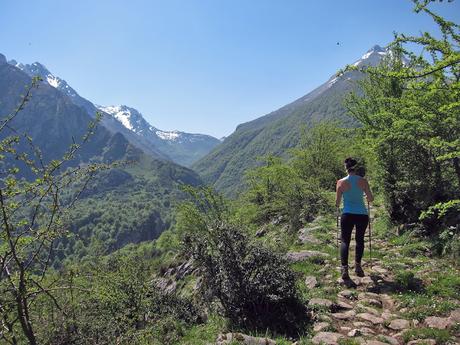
[[399, 324], [343, 305], [371, 318], [303, 255], [422, 341], [318, 327], [311, 282], [327, 338], [438, 322], [320, 302], [344, 316]]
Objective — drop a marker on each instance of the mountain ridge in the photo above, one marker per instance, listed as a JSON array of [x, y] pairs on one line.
[[185, 152], [279, 130]]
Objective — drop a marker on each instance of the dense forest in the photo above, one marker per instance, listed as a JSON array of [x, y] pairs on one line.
[[260, 268]]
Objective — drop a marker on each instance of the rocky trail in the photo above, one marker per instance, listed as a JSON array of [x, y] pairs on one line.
[[372, 310]]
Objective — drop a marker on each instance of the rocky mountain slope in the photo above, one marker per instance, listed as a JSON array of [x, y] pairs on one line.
[[280, 130], [182, 148]]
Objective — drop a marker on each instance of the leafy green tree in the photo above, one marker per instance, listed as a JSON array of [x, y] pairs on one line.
[[32, 215], [410, 109]]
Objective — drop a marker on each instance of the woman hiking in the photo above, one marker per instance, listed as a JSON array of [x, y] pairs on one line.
[[354, 214]]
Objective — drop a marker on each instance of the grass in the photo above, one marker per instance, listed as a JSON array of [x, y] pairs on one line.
[[349, 342], [205, 333], [441, 336], [446, 284], [421, 306]]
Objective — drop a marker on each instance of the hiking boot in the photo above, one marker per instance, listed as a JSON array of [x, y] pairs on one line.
[[359, 270], [344, 273]]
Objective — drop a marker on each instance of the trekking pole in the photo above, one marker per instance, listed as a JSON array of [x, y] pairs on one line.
[[337, 238], [370, 234]]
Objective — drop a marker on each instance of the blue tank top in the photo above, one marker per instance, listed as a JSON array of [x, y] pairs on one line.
[[353, 201]]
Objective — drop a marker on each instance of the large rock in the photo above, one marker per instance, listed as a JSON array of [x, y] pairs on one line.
[[303, 255], [327, 338], [230, 338], [438, 322]]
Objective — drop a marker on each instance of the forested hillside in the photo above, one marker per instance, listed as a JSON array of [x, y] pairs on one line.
[[128, 204]]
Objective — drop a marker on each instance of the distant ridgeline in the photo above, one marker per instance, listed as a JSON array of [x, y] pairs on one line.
[[180, 147], [127, 204], [276, 132]]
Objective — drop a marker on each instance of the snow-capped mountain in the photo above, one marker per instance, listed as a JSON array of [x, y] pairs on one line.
[[372, 57], [182, 148]]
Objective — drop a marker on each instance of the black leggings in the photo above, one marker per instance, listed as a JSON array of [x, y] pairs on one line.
[[347, 222]]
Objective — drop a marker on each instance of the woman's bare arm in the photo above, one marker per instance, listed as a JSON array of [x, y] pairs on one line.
[[338, 193], [367, 190]]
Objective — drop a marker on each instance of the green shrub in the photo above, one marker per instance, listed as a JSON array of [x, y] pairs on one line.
[[254, 285]]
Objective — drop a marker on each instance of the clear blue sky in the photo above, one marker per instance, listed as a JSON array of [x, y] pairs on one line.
[[201, 66]]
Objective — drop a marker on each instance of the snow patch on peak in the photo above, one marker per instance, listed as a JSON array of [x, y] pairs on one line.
[[121, 113], [171, 135], [332, 81], [53, 81], [372, 56]]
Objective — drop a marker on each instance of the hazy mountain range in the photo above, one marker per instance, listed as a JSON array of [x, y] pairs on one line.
[[182, 148]]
